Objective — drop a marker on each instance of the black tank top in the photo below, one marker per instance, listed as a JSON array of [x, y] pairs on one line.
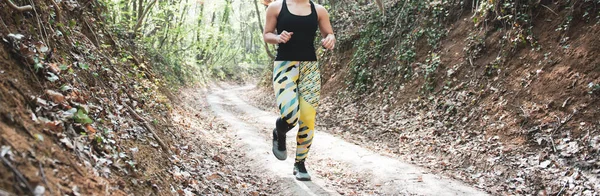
[[301, 46]]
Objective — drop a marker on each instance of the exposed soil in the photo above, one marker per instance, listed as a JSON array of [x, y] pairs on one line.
[[82, 114]]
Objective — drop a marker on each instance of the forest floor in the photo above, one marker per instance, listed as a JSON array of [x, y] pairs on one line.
[[337, 166], [371, 127]]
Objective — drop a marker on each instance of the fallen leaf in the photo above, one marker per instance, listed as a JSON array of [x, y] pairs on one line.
[[545, 163], [5, 150], [54, 68], [213, 176], [39, 137], [218, 158], [67, 143], [53, 126], [63, 67], [16, 36], [69, 113], [52, 77], [76, 191], [41, 102], [55, 97], [65, 88], [41, 47], [83, 66], [90, 129], [82, 117]]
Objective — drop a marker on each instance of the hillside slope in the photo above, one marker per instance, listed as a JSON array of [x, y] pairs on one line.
[[506, 100], [82, 113]]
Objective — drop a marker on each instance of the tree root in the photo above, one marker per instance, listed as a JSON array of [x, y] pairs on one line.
[[149, 128], [19, 8]]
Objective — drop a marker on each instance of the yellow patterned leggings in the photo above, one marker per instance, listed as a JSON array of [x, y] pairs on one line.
[[297, 86]]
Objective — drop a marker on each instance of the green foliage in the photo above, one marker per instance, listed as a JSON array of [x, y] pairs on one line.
[[475, 45], [368, 48], [494, 67], [430, 67], [52, 77], [191, 41], [414, 28], [413, 21], [83, 66], [82, 117]]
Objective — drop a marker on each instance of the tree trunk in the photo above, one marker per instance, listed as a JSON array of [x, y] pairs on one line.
[[181, 20], [140, 10], [224, 26], [198, 30], [261, 29], [209, 40], [140, 20]]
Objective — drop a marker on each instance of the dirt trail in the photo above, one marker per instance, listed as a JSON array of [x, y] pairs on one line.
[[337, 166]]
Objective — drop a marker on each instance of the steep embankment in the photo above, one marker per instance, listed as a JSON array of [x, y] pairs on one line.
[[505, 98], [83, 114]]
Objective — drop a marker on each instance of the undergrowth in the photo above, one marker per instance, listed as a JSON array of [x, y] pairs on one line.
[[394, 41]]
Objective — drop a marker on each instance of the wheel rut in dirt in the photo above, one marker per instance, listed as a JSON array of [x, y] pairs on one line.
[[330, 156]]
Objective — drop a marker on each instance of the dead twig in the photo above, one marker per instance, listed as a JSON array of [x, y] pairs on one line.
[[75, 167], [96, 41], [552, 142], [19, 8], [562, 123], [43, 32], [566, 102], [149, 128], [44, 177], [18, 174], [562, 189], [549, 9]]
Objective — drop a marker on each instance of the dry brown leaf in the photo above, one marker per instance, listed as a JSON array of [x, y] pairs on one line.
[[90, 129], [213, 176], [54, 126], [55, 97], [53, 67]]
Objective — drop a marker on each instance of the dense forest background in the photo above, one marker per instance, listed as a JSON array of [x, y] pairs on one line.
[[194, 40]]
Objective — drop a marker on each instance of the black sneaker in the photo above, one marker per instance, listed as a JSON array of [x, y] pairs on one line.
[[279, 145], [300, 171]]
